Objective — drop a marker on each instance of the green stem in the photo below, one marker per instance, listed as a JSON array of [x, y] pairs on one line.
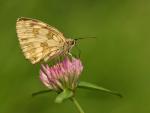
[[77, 105]]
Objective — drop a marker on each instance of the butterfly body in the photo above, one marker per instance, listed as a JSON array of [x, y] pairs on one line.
[[40, 41]]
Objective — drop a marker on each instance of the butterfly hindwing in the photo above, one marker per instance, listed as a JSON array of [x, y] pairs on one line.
[[38, 40]]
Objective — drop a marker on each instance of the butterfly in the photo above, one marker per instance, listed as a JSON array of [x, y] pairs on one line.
[[40, 41]]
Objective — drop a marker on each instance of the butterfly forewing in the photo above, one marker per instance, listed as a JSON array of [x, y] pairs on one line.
[[38, 40]]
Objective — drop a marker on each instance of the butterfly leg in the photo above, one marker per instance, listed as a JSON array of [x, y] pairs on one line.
[[79, 51], [70, 54]]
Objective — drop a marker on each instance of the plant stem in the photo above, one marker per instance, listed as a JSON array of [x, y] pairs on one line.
[[77, 105]]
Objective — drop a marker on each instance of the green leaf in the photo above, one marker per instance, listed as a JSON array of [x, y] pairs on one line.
[[40, 92], [65, 94], [86, 85]]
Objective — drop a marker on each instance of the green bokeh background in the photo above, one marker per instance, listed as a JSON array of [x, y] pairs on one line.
[[119, 59]]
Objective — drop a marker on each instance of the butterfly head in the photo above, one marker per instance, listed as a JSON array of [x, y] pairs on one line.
[[70, 42]]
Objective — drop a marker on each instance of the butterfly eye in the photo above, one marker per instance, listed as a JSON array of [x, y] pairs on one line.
[[72, 42]]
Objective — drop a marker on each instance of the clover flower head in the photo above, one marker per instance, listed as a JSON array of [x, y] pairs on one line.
[[64, 74]]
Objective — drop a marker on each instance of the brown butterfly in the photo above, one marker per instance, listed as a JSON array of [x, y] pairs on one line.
[[40, 41]]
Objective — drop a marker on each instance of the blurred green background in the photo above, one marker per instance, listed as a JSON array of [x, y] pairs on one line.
[[119, 59]]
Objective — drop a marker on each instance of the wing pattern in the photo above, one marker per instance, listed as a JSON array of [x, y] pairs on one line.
[[38, 40]]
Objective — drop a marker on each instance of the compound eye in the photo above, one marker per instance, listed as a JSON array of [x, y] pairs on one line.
[[72, 42]]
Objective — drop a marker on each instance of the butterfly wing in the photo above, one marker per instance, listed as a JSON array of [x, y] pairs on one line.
[[38, 40]]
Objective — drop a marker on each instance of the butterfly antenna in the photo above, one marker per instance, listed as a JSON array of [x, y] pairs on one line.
[[85, 38]]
